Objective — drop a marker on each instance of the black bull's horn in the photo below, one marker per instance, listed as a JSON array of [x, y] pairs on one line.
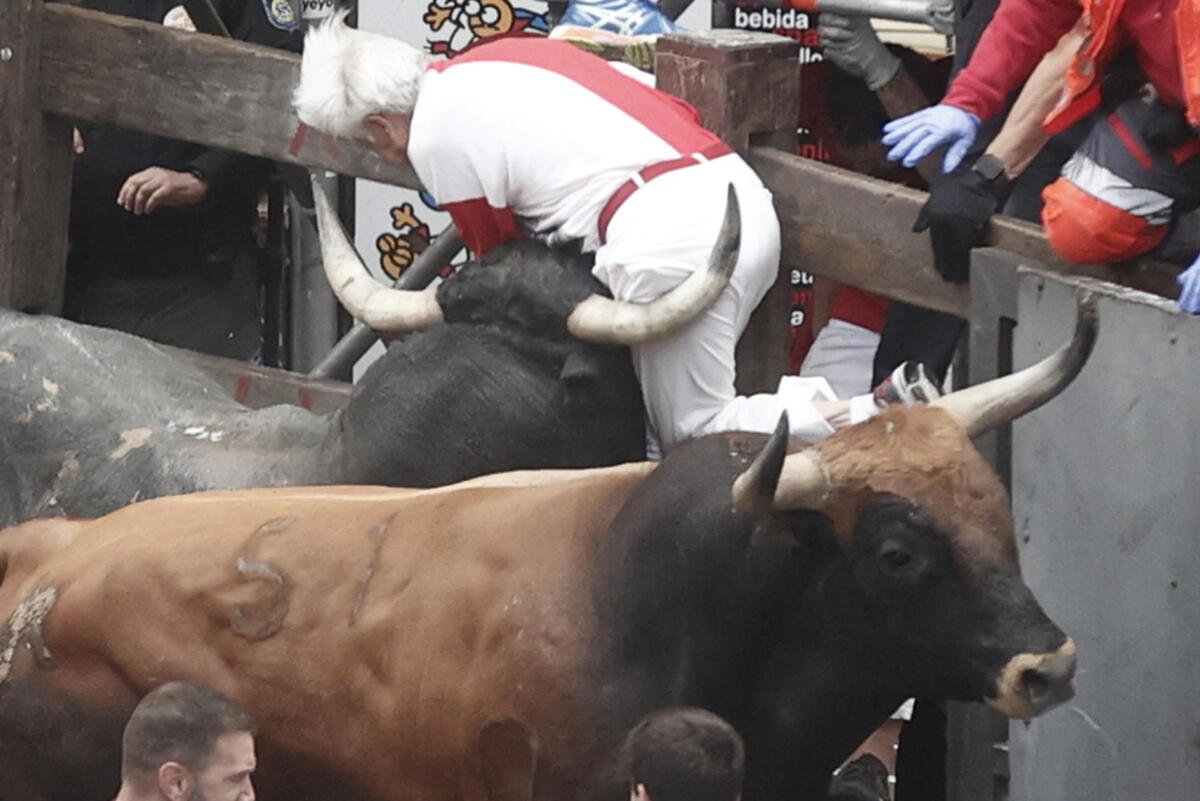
[[803, 481], [596, 319]]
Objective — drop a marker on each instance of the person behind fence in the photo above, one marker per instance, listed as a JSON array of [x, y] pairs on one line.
[[683, 754], [536, 136], [1138, 169], [186, 742], [162, 231]]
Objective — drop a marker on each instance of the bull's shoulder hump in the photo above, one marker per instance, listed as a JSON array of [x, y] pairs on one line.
[[540, 478], [354, 493]]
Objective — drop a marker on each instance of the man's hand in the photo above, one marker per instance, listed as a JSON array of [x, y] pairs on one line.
[[916, 136], [155, 187], [1189, 283], [956, 213], [851, 44], [77, 145]]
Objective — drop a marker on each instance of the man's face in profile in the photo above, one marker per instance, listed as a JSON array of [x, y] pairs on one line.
[[227, 775]]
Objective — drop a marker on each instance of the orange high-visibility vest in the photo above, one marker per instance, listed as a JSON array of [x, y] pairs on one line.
[[1081, 96]]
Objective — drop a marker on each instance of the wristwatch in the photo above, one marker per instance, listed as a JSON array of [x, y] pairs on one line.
[[991, 169], [196, 171]]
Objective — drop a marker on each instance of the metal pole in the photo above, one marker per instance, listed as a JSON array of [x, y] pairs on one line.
[[313, 312], [339, 362]]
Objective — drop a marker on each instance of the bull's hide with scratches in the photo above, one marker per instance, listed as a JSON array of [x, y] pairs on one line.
[[505, 632], [91, 419]]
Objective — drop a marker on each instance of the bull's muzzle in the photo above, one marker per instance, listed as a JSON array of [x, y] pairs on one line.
[[1031, 684]]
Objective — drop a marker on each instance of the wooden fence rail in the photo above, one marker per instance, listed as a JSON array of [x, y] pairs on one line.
[[64, 63]]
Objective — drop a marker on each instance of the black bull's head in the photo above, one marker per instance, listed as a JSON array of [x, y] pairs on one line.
[[515, 368], [838, 580]]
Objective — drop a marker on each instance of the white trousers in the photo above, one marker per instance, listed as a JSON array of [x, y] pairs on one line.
[[844, 355], [663, 232]]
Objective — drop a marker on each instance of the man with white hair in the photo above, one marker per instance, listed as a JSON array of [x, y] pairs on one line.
[[534, 136]]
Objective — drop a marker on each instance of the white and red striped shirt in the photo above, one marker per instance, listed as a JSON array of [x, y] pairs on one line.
[[489, 139]]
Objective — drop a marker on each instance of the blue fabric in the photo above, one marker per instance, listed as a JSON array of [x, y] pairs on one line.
[[916, 136], [1189, 284], [624, 17]]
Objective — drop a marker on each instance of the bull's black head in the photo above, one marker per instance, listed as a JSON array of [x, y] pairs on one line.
[[525, 286], [928, 559], [805, 595], [499, 385]]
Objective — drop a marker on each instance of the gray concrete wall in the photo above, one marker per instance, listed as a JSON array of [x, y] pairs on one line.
[[1106, 497]]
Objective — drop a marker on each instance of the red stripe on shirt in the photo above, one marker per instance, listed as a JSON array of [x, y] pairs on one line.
[[674, 121], [481, 225], [1131, 144]]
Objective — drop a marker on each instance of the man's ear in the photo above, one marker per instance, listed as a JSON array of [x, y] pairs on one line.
[[639, 793], [174, 781], [378, 128]]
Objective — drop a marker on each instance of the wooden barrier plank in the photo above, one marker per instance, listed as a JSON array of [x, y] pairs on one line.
[[858, 230], [218, 92], [35, 171], [257, 386]]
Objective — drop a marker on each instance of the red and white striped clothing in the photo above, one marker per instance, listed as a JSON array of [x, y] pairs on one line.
[[535, 136], [487, 139]]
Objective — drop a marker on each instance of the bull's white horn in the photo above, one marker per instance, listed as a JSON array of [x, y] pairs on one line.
[[604, 320], [792, 481], [377, 306], [993, 403], [804, 482]]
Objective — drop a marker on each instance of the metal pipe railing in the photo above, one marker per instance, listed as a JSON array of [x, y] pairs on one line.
[[340, 360], [937, 13]]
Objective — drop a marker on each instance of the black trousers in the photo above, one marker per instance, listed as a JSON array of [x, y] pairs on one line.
[[213, 310]]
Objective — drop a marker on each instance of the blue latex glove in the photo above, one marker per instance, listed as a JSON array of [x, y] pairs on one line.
[[916, 136], [1189, 283]]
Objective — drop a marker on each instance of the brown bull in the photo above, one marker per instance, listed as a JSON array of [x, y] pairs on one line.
[[494, 639]]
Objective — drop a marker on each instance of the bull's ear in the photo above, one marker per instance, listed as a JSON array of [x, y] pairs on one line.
[[754, 489]]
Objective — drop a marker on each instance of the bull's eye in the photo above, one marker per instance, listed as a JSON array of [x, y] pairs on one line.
[[896, 558], [900, 561]]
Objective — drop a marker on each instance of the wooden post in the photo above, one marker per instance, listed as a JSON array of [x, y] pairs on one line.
[[35, 170], [746, 87]]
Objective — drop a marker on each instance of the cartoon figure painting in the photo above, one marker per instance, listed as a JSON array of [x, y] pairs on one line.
[[457, 24]]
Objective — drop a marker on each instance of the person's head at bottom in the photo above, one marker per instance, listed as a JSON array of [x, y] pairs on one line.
[[684, 754], [185, 742]]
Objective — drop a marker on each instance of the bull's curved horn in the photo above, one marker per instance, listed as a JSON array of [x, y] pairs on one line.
[[377, 306], [603, 320], [754, 489], [993, 403], [804, 482], [787, 481]]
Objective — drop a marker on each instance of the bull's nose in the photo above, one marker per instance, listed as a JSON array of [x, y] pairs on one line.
[[1049, 683], [1031, 683]]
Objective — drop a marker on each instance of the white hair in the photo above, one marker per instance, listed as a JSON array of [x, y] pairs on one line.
[[347, 75]]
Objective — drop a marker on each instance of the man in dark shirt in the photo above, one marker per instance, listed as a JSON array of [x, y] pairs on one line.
[[161, 231]]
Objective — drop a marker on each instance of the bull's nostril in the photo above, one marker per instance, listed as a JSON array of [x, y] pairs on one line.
[[1036, 682], [1049, 683]]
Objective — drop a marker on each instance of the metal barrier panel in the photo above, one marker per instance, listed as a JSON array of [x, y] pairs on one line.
[[1106, 499]]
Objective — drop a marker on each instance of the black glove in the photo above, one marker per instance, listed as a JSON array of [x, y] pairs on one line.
[[956, 213], [1166, 127]]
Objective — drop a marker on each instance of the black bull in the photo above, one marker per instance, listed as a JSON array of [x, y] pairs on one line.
[[512, 628], [91, 420]]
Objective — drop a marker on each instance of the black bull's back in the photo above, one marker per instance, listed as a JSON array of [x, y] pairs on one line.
[[548, 612], [91, 420]]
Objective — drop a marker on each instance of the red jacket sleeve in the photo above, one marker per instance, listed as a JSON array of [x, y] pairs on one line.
[[1020, 33], [481, 225]]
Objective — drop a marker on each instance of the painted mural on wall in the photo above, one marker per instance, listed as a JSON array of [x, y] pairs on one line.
[[398, 224], [454, 25]]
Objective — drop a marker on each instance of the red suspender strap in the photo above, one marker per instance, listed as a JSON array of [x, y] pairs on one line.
[[649, 174]]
